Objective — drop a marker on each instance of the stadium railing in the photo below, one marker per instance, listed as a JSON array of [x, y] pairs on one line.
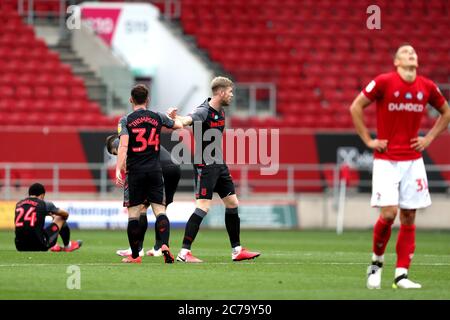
[[292, 179], [170, 9], [255, 98], [54, 11]]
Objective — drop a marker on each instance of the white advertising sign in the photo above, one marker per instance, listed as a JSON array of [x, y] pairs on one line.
[[112, 215], [126, 29]]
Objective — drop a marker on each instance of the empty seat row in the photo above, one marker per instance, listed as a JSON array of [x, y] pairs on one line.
[[55, 92], [36, 88], [316, 52], [49, 105], [56, 119]]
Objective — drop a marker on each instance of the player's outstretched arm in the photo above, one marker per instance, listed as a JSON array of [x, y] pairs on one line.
[[421, 143], [184, 121], [177, 124], [356, 110]]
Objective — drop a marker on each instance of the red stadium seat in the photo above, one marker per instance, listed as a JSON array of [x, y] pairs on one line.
[[60, 92], [7, 78], [18, 119], [6, 91], [79, 105], [54, 119], [59, 105], [78, 92], [42, 105], [342, 121], [338, 57], [33, 79], [4, 105], [21, 105], [41, 92], [4, 117], [316, 52], [23, 91]]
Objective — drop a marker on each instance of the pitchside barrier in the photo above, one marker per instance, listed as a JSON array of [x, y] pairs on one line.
[[270, 202], [96, 180], [306, 211], [112, 215]]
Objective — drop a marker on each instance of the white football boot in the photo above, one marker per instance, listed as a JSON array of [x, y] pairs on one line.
[[154, 253], [401, 280], [374, 275]]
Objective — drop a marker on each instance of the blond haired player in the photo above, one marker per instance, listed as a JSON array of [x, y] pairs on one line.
[[212, 174]]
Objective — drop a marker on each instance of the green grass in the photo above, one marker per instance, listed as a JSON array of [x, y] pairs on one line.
[[293, 265]]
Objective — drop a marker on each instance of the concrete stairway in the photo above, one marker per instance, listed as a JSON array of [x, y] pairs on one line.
[[97, 90]]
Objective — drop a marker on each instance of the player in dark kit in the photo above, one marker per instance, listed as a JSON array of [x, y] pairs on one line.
[[138, 157], [212, 174], [29, 223], [171, 175]]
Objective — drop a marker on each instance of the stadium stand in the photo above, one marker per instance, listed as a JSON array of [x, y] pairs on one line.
[[36, 88], [319, 53], [311, 50]]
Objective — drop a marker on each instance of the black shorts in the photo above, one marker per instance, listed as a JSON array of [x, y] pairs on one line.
[[38, 242], [143, 188], [213, 178]]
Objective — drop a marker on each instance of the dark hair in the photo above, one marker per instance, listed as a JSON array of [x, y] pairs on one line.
[[36, 189], [112, 141], [139, 93]]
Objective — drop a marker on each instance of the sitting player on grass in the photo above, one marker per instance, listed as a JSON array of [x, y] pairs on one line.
[[29, 220]]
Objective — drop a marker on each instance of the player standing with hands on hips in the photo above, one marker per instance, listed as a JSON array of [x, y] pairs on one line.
[[399, 178]]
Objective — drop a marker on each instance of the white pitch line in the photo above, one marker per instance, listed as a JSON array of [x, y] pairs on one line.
[[207, 263]]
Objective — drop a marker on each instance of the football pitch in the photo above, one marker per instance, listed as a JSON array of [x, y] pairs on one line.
[[294, 265]]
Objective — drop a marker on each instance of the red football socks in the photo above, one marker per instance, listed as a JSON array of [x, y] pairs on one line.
[[381, 235], [406, 243]]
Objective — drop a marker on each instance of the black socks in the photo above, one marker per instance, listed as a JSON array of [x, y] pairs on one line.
[[233, 224], [65, 234], [134, 236], [143, 225], [158, 242], [162, 226], [192, 227]]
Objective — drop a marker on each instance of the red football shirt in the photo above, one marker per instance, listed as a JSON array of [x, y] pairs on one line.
[[400, 107]]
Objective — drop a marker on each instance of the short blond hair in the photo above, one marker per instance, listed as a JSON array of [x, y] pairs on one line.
[[220, 83]]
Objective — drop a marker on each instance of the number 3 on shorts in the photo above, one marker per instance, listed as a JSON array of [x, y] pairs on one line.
[[421, 184]]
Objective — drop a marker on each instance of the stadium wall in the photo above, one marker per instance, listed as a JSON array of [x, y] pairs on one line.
[[112, 214], [59, 145], [303, 213], [318, 212]]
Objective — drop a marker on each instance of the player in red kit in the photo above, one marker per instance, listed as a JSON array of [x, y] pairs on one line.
[[399, 179]]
